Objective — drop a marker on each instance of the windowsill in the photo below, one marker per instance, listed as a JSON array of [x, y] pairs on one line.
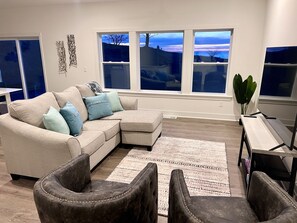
[[174, 95], [277, 100]]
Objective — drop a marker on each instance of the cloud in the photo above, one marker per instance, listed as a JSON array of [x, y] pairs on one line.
[[169, 35], [198, 47], [211, 47], [173, 48]]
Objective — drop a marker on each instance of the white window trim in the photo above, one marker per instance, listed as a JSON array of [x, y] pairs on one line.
[[101, 62], [111, 62], [20, 59], [213, 63], [139, 68], [176, 95], [280, 64], [210, 63], [21, 66], [277, 99], [187, 63]]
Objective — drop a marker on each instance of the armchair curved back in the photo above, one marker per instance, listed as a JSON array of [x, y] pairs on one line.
[[266, 202], [269, 200], [68, 195]]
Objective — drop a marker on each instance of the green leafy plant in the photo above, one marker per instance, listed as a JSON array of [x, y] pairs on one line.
[[244, 91]]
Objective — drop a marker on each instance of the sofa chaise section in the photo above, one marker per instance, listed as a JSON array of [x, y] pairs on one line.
[[137, 127]]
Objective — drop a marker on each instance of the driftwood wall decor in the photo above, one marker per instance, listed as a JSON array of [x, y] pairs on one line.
[[62, 57], [72, 51]]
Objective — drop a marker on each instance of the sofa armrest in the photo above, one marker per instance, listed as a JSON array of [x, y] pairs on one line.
[[269, 201], [33, 151], [129, 103]]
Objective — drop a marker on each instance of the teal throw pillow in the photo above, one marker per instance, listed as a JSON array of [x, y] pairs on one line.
[[98, 106], [54, 121], [114, 101], [73, 119]]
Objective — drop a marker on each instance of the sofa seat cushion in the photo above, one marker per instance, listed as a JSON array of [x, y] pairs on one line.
[[31, 110], [140, 121], [72, 95], [222, 209], [115, 116], [90, 141], [109, 127]]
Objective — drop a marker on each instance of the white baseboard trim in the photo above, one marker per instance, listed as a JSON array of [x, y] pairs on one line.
[[183, 114]]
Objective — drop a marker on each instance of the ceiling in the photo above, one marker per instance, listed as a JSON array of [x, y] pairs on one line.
[[24, 3]]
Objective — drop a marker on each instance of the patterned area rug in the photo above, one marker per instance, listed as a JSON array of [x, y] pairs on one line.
[[204, 165]]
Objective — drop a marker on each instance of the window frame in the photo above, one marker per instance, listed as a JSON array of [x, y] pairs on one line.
[[17, 40], [187, 64], [212, 63], [138, 33], [102, 62], [293, 95]]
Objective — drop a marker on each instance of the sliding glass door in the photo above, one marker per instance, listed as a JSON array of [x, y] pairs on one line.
[[9, 68], [21, 67]]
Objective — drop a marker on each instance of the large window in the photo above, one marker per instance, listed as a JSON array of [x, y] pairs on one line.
[[279, 73], [21, 67], [161, 60], [211, 55], [115, 63]]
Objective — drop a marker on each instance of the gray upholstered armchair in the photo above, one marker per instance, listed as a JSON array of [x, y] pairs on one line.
[[68, 195], [265, 202]]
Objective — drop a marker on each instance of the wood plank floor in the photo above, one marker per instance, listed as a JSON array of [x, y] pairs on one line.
[[16, 198]]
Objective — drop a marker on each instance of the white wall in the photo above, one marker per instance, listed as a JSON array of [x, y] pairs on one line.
[[53, 23], [281, 23], [280, 31]]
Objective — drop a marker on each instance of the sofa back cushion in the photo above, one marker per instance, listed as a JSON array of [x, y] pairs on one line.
[[72, 95], [31, 110], [84, 90]]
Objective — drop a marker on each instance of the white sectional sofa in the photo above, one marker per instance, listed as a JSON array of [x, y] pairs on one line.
[[32, 150]]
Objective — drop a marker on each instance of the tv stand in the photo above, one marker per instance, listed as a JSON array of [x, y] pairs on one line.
[[266, 141]]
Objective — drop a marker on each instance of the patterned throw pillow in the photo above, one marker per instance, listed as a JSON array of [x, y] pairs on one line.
[[95, 87], [73, 119], [98, 106], [54, 121]]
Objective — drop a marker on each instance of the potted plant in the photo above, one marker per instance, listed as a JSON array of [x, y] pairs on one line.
[[244, 91]]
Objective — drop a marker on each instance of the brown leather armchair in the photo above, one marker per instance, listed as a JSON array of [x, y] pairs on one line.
[[68, 195], [266, 202]]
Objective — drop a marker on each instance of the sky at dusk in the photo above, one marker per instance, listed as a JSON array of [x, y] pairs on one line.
[[205, 42], [217, 42]]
